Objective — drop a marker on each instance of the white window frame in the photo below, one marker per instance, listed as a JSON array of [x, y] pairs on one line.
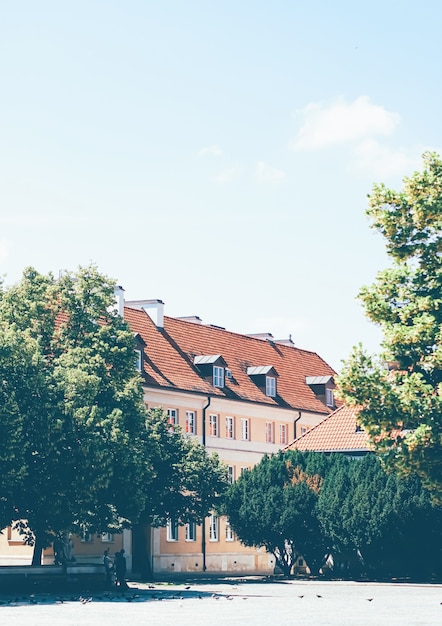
[[190, 531], [230, 535], [138, 360], [172, 530], [329, 397], [214, 528], [172, 417], [107, 537], [191, 422], [231, 474], [271, 386], [245, 429], [270, 432], [303, 430], [218, 376], [230, 427], [86, 536], [243, 469], [283, 431], [213, 425]]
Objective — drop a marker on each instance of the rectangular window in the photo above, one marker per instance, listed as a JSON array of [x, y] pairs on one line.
[[191, 531], [213, 425], [230, 428], [269, 432], [283, 433], [270, 386], [229, 532], [85, 535], [172, 530], [214, 528], [107, 537], [245, 429], [231, 474], [218, 376], [190, 422], [329, 397], [244, 469], [172, 417], [303, 430], [138, 360]]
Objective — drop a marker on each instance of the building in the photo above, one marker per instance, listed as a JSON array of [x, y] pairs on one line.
[[242, 396]]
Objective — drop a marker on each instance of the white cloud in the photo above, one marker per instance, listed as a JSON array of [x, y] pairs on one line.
[[214, 150], [226, 176], [267, 174], [5, 249], [342, 122], [381, 160]]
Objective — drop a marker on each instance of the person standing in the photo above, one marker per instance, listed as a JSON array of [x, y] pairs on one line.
[[120, 570], [108, 568]]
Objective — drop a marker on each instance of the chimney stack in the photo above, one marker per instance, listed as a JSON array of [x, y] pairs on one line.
[[154, 308]]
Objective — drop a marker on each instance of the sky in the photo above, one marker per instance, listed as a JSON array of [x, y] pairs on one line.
[[216, 155]]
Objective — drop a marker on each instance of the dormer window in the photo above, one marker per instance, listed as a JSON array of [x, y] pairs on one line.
[[322, 387], [213, 367], [271, 386], [140, 344], [329, 397], [264, 377], [138, 361], [218, 376]]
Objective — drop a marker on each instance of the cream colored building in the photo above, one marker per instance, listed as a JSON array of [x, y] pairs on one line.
[[241, 396]]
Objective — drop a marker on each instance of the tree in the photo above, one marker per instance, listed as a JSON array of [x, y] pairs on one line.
[[379, 523], [274, 505], [187, 481], [400, 392], [75, 444]]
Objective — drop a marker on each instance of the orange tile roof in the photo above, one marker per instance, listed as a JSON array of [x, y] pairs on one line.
[[170, 352], [336, 433]]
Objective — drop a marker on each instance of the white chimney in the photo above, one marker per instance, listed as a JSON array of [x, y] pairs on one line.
[[154, 308], [119, 300]]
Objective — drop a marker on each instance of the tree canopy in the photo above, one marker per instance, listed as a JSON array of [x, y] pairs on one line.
[[273, 505], [77, 450], [399, 392]]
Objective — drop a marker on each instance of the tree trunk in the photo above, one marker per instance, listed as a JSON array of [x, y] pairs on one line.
[[38, 551]]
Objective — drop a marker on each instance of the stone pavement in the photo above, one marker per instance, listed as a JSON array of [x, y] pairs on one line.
[[313, 603]]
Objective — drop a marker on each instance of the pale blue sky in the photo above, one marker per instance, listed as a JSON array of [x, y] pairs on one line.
[[215, 155]]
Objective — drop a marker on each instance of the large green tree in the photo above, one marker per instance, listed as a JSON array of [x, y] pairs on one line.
[[379, 523], [188, 482], [274, 505], [400, 391], [72, 411]]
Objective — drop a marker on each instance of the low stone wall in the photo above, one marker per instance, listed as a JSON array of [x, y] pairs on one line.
[[51, 577]]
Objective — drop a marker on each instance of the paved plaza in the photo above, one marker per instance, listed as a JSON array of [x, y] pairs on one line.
[[232, 602]]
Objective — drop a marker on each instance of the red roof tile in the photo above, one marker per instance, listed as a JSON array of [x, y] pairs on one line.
[[170, 352], [339, 432]]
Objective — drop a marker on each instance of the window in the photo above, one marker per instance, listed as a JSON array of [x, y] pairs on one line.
[[329, 398], [269, 432], [191, 531], [245, 429], [172, 415], [218, 376], [190, 422], [229, 532], [270, 386], [214, 528], [85, 535], [283, 433], [138, 361], [213, 425], [244, 469], [231, 474], [107, 537], [303, 430], [172, 530], [230, 428]]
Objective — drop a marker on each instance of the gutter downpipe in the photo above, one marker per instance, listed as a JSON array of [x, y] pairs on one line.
[[295, 422], [203, 527]]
